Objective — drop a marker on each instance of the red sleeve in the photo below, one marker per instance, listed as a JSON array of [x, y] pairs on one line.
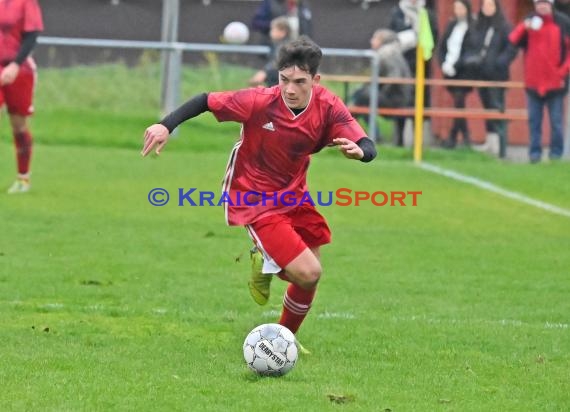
[[33, 17], [518, 34], [343, 124], [234, 106]]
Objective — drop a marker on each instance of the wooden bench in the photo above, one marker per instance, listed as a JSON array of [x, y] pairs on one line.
[[447, 112]]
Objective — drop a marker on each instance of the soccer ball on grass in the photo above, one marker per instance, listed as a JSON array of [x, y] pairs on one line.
[[270, 350]]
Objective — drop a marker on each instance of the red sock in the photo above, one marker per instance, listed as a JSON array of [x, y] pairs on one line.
[[296, 304], [23, 143]]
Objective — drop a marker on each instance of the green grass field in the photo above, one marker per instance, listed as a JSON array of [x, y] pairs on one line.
[[110, 304]]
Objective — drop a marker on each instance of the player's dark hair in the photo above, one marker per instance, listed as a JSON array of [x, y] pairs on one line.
[[303, 53]]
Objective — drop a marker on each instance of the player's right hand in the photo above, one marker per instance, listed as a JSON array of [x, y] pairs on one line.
[[155, 135], [9, 73]]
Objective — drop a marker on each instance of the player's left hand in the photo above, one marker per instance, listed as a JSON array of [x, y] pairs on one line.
[[348, 148], [9, 74]]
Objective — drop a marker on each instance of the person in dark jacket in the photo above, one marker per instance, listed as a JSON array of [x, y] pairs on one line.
[[404, 19], [544, 35], [488, 56], [451, 50], [297, 11]]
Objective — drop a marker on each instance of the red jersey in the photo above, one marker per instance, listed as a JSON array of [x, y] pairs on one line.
[[17, 17], [545, 48], [273, 154]]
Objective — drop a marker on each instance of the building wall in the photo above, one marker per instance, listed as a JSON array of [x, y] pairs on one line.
[[337, 23]]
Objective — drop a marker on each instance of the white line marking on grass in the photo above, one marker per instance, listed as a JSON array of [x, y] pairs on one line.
[[495, 189], [549, 325], [501, 322], [51, 306], [271, 314], [334, 315], [322, 315]]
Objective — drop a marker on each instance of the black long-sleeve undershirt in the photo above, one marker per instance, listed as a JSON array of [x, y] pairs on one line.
[[192, 108], [199, 104], [29, 40], [369, 149]]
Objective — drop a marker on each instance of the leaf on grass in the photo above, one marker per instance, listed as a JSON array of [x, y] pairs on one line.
[[340, 398], [468, 369], [91, 282], [540, 359], [444, 400]]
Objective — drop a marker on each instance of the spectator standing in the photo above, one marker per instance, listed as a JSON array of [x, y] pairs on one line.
[[297, 12], [404, 20], [451, 51], [280, 33], [391, 64], [544, 35], [488, 56], [20, 23]]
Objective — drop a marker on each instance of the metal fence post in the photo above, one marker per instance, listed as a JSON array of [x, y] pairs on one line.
[[172, 58], [373, 106]]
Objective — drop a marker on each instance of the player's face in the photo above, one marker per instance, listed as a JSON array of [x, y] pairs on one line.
[[296, 86]]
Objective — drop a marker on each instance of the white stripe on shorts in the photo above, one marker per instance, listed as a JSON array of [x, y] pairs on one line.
[[269, 265]]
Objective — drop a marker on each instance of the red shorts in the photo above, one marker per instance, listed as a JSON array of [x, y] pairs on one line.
[[18, 95], [281, 238]]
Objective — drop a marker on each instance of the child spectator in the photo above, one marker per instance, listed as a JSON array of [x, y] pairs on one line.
[[297, 12], [280, 33]]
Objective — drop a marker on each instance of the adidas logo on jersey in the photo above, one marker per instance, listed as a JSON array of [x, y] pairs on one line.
[[269, 126]]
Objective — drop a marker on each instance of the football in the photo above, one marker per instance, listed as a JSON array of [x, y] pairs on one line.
[[236, 32], [270, 350]]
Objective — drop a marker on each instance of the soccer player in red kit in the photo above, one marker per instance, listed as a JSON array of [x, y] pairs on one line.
[[20, 24], [281, 127]]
